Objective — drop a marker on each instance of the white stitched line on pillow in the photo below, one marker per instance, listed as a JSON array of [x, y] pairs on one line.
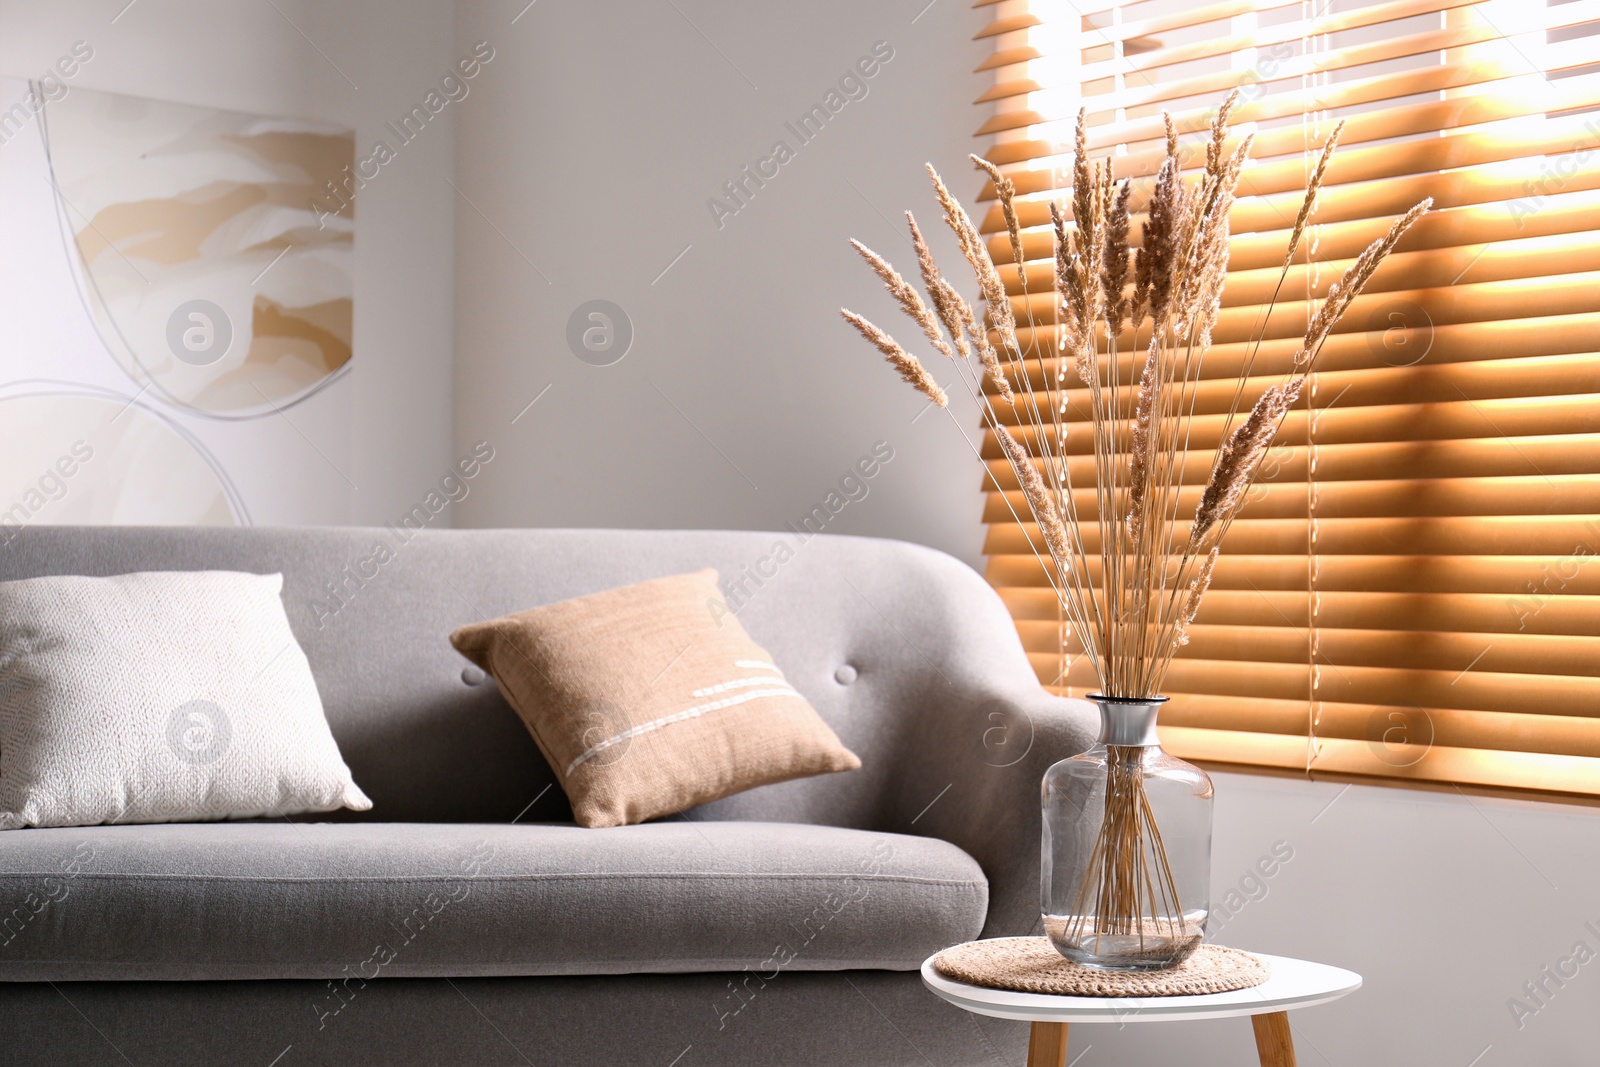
[[737, 683], [667, 720], [757, 665]]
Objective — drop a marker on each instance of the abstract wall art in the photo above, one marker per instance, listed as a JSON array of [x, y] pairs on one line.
[[175, 314]]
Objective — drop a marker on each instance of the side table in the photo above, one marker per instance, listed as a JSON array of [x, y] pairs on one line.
[[1293, 984]]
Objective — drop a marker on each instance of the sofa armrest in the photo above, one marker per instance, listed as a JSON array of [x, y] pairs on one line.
[[970, 773]]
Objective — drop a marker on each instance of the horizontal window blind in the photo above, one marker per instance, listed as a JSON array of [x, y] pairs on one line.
[[1411, 591]]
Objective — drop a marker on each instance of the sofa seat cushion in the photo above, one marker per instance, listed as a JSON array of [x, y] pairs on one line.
[[357, 901]]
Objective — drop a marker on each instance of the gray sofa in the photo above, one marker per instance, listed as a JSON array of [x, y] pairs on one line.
[[465, 920]]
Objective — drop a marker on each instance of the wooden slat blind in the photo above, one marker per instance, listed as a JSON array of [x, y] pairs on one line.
[[1412, 590]]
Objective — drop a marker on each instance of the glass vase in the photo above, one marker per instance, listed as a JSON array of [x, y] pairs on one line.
[[1126, 877]]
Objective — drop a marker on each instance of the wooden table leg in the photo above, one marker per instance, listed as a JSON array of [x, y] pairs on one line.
[[1273, 1041], [1047, 1045]]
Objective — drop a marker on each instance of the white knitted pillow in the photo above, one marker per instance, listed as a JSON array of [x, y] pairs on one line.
[[159, 697]]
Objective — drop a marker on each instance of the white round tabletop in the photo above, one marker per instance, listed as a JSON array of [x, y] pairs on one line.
[[1293, 984]]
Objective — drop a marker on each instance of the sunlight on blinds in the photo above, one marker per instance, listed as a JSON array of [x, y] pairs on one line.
[[1411, 591]]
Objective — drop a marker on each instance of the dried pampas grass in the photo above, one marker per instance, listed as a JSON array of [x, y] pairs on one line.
[[1005, 190], [1117, 310], [1114, 264], [989, 284], [1051, 527], [1313, 187], [909, 366], [1238, 459], [909, 299], [1156, 314]]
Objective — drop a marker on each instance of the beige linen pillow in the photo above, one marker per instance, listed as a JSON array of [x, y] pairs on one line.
[[171, 696], [650, 699]]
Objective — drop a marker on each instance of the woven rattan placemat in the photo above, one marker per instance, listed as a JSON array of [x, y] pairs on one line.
[[1032, 965]]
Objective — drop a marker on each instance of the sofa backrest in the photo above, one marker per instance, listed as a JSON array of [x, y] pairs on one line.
[[874, 633]]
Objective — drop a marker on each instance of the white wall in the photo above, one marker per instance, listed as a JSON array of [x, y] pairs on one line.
[[264, 58], [591, 149]]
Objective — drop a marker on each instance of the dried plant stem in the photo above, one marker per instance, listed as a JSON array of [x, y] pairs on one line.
[[1130, 341], [910, 368], [952, 310], [1128, 890], [1308, 204], [1114, 264], [906, 295], [1033, 488], [994, 292], [1005, 191]]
